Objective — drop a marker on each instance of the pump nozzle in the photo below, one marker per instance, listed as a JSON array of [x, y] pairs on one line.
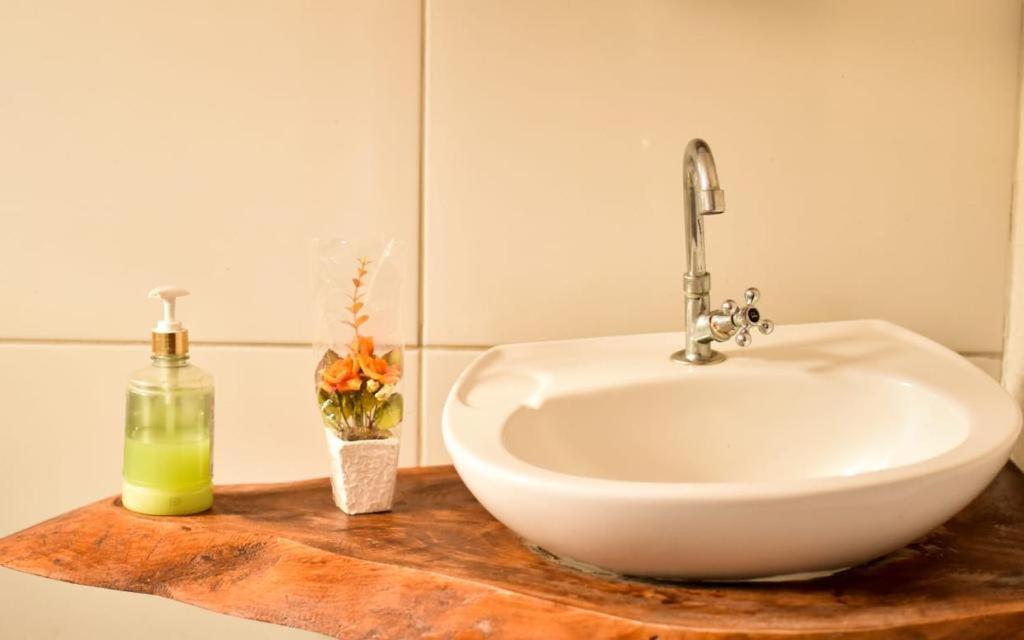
[[169, 337], [168, 294]]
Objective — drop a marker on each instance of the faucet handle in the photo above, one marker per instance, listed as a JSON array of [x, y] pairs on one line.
[[747, 316]]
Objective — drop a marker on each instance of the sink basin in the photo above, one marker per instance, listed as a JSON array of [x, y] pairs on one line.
[[824, 446]]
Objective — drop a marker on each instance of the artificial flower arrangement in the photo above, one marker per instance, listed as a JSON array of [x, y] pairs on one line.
[[359, 401], [357, 392]]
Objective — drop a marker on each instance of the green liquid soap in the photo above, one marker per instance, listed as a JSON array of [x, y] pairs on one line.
[[167, 448], [168, 427], [168, 478]]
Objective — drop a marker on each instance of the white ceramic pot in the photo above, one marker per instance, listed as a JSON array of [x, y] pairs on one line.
[[363, 473]]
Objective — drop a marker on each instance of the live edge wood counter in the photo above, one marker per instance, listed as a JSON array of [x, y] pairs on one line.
[[439, 566]]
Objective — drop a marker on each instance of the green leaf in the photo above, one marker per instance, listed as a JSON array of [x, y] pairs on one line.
[[331, 413], [329, 357], [348, 405], [393, 357], [367, 403], [390, 414]]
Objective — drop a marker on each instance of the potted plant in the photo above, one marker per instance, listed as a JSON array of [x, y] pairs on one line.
[[359, 401]]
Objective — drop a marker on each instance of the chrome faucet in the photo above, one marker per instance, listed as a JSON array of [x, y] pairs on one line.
[[705, 325]]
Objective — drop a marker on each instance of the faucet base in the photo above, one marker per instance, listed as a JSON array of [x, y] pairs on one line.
[[714, 358]]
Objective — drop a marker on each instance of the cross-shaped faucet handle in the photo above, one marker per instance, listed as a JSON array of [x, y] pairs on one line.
[[747, 316]]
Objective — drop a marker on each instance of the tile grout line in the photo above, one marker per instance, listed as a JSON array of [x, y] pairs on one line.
[[421, 244], [1012, 278], [107, 342], [71, 342], [299, 345], [456, 347]]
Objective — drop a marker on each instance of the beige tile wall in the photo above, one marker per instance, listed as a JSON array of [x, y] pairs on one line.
[[63, 435], [441, 366], [203, 144], [1013, 347], [200, 143], [866, 148]]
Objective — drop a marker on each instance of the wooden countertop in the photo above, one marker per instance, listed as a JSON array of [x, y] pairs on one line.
[[439, 566]]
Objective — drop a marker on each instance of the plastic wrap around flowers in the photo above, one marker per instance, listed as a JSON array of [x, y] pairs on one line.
[[357, 392]]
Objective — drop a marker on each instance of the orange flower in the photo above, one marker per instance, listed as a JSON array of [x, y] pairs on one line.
[[378, 369], [341, 375], [362, 345]]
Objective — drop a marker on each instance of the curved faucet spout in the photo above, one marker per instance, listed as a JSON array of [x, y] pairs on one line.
[[702, 197], [705, 325]]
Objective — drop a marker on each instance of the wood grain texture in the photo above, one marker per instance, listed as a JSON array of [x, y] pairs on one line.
[[439, 566]]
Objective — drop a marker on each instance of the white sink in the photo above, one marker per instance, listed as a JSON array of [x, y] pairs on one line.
[[821, 447]]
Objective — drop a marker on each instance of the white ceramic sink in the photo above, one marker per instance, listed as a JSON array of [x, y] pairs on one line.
[[821, 447]]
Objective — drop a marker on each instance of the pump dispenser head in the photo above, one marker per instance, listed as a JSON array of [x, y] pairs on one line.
[[169, 337]]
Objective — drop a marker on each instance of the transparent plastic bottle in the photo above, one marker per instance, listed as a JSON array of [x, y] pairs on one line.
[[168, 438]]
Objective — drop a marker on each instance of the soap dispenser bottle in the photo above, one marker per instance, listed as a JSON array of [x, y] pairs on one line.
[[168, 434]]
